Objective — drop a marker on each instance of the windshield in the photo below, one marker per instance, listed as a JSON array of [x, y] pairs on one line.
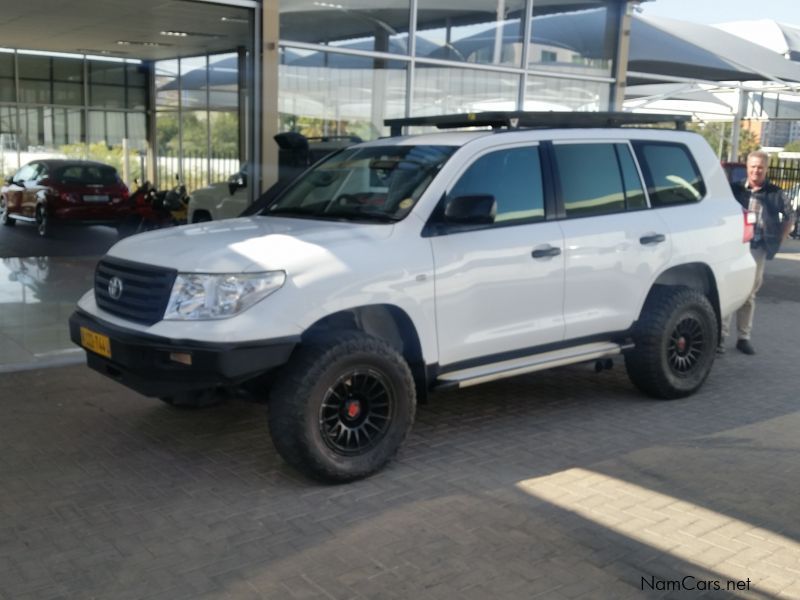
[[375, 183]]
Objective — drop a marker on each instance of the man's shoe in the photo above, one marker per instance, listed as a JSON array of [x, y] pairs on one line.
[[745, 347], [721, 349]]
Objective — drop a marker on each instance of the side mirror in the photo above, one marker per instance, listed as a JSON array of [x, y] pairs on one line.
[[9, 180], [236, 182], [471, 210]]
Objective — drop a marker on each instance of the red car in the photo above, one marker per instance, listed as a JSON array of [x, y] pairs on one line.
[[55, 192]]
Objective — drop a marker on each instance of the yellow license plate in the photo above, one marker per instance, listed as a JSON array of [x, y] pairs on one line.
[[96, 342]]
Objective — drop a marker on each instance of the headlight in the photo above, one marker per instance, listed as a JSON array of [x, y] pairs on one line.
[[197, 297]]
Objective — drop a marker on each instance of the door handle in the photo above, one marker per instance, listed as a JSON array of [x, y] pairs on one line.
[[656, 238], [546, 252]]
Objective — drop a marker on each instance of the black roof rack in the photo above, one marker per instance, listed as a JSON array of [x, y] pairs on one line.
[[550, 120]]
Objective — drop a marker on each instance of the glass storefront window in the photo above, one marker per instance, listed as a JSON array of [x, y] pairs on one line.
[[380, 27], [194, 82], [325, 94], [7, 65], [166, 76], [7, 90], [68, 70], [67, 127], [488, 32], [33, 91], [7, 77], [443, 90], [9, 159], [109, 73], [579, 41], [67, 93], [223, 82], [195, 149], [224, 144], [34, 67], [558, 94], [109, 96]]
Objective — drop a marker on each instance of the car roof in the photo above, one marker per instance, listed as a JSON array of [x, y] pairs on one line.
[[65, 162]]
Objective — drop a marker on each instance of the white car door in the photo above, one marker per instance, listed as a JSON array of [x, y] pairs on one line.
[[499, 287], [615, 244]]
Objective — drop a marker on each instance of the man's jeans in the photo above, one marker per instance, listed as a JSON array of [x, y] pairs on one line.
[[744, 316]]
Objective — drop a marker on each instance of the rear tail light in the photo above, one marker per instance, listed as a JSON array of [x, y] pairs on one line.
[[749, 218]]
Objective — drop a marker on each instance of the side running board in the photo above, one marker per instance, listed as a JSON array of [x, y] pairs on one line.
[[529, 364]]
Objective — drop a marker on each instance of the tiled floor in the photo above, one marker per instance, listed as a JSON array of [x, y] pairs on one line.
[[37, 295]]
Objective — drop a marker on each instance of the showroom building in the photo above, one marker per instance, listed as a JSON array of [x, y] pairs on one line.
[[197, 89]]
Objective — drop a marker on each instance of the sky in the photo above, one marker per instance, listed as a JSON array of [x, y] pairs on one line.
[[720, 11]]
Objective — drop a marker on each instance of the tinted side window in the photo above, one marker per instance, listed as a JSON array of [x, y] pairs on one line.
[[513, 177], [670, 172], [590, 178]]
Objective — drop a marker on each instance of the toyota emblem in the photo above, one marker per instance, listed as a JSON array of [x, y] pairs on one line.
[[115, 287]]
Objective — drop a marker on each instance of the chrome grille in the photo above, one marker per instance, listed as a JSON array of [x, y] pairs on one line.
[[145, 289]]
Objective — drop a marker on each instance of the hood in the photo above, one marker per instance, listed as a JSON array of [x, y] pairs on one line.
[[212, 190], [249, 244]]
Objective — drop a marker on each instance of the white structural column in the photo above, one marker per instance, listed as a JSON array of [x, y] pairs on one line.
[[269, 92]]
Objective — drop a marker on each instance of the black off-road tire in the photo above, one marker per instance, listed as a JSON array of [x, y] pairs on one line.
[[676, 340], [333, 389], [193, 400], [4, 218]]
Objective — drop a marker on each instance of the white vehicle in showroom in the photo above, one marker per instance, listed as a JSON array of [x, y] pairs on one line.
[[409, 264], [220, 200], [229, 199]]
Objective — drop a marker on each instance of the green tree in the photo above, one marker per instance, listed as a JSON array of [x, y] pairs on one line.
[[793, 146], [716, 132]]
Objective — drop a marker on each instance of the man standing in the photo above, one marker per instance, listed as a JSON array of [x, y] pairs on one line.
[[768, 202]]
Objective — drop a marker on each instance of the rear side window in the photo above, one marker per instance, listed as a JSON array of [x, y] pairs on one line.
[[590, 179], [513, 177], [671, 175], [88, 175]]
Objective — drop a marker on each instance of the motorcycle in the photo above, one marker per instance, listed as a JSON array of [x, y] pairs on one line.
[[152, 209]]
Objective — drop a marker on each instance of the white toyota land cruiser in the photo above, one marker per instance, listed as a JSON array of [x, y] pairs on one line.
[[407, 264]]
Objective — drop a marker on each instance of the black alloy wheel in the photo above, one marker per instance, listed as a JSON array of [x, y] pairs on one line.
[[686, 345], [356, 412], [342, 406], [675, 341]]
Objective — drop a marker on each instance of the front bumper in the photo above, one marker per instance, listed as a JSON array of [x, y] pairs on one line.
[[146, 363]]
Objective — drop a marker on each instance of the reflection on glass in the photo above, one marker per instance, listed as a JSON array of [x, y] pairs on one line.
[[552, 93], [381, 27], [442, 90], [223, 82], [166, 76], [194, 82], [579, 41], [325, 94], [9, 159], [489, 32]]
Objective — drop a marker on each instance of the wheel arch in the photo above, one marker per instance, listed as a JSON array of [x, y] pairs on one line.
[[697, 276], [386, 322]]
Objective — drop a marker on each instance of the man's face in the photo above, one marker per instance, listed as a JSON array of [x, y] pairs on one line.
[[756, 171]]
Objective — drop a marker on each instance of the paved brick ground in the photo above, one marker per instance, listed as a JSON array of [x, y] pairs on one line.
[[562, 485]]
